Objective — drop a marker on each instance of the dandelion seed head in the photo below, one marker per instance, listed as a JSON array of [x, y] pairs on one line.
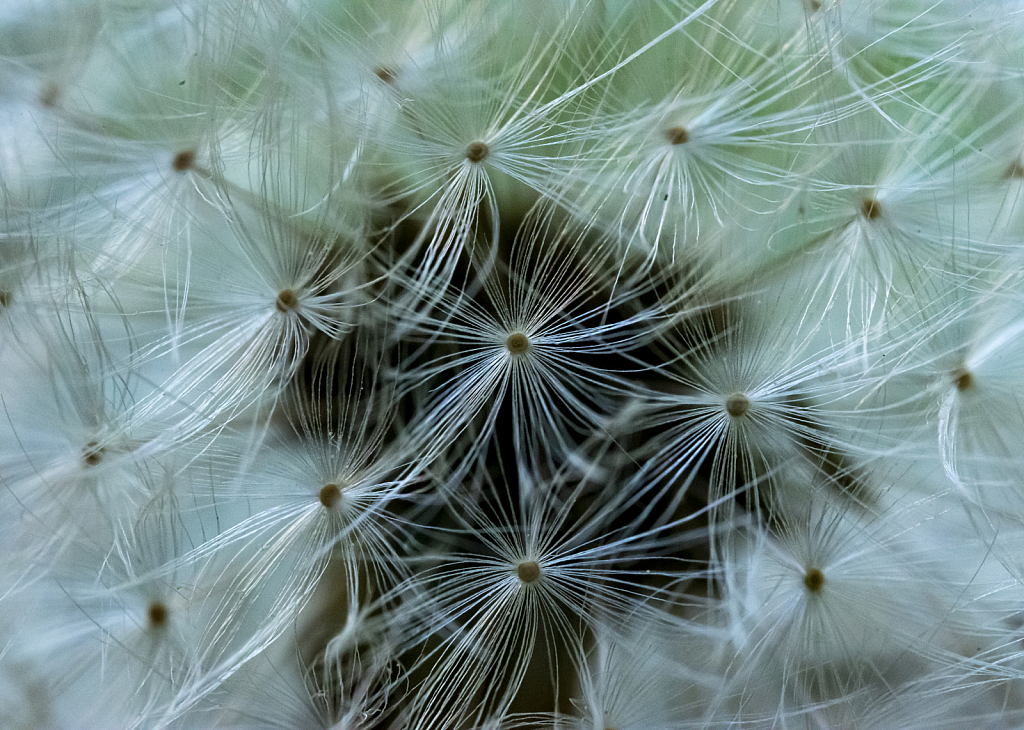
[[286, 301], [184, 160], [529, 571], [157, 615], [477, 152], [92, 454], [330, 495], [870, 208], [814, 579], [677, 135], [602, 441], [737, 405], [517, 343]]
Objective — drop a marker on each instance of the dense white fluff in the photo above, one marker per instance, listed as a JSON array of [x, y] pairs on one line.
[[675, 155], [584, 364], [837, 606], [527, 344], [238, 306], [73, 449], [117, 636], [520, 610]]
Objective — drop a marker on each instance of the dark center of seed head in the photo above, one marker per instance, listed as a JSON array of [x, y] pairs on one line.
[[157, 614], [963, 378], [737, 404], [677, 135], [49, 96], [184, 160], [385, 74], [92, 454], [330, 495], [814, 579], [286, 301], [870, 208], [517, 343], [476, 152], [528, 572]]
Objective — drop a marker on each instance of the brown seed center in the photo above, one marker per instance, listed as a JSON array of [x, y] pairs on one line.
[[385, 74], [870, 208], [477, 152], [286, 301], [737, 404], [50, 95], [677, 135], [184, 160], [92, 454], [157, 614], [5, 298], [330, 495], [963, 378], [528, 572], [814, 579], [517, 343]]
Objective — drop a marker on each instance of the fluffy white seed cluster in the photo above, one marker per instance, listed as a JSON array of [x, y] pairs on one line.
[[438, 364]]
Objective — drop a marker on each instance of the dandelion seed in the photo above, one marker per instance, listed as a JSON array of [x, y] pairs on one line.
[[477, 152], [441, 121], [330, 495], [523, 345], [385, 74], [92, 454], [517, 343], [184, 160], [741, 409], [814, 579], [677, 135], [870, 208], [5, 299], [286, 301], [963, 378], [157, 615], [886, 615], [721, 103], [528, 572], [115, 615], [229, 321], [628, 682], [139, 198], [498, 629], [737, 405], [295, 521]]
